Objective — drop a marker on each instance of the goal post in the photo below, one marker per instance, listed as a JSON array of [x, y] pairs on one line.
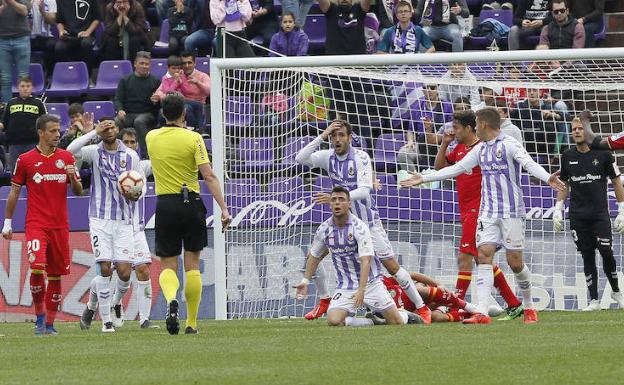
[[264, 110]]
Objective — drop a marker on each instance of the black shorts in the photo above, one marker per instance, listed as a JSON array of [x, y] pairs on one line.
[[589, 234], [178, 223]]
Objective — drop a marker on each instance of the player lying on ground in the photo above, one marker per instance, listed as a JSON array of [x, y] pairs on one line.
[[352, 168], [358, 269], [502, 212], [585, 172]]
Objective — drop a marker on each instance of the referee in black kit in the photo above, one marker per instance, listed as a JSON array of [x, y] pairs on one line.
[[177, 154], [585, 171]]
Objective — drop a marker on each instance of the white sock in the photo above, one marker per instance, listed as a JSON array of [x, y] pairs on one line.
[[93, 298], [523, 279], [471, 308], [321, 283], [120, 291], [102, 285], [404, 279], [353, 321], [485, 281], [144, 297]]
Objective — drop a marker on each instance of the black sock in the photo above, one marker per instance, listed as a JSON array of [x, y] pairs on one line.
[[591, 273]]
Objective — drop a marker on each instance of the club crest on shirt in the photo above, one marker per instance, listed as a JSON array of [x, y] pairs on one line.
[[38, 164], [60, 164], [122, 163], [37, 178], [499, 154], [595, 162], [351, 171], [350, 237]]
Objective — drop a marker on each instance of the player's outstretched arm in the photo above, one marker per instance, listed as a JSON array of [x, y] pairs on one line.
[[311, 265], [521, 156], [465, 165], [619, 196], [7, 230], [215, 189]]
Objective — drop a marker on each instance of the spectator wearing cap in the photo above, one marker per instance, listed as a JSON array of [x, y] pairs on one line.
[[589, 13], [563, 31], [439, 20]]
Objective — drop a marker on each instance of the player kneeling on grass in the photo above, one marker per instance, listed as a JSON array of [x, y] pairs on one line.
[[358, 270], [113, 215], [585, 172]]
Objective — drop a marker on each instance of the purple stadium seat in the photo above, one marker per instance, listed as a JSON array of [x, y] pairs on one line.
[[203, 64], [386, 148], [109, 74], [35, 71], [60, 110], [256, 153], [315, 27], [286, 189], [161, 47], [293, 146], [322, 183], [239, 111], [69, 79], [360, 142], [158, 68], [208, 143], [239, 193], [505, 16], [483, 70], [435, 70], [100, 109]]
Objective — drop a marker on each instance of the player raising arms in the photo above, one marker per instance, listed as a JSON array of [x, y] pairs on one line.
[[45, 171], [502, 212], [113, 215], [351, 168], [469, 197], [586, 172], [358, 269]]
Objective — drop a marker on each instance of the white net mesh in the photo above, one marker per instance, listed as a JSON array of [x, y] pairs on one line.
[[399, 113]]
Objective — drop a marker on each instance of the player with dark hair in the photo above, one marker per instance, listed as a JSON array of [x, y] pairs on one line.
[[177, 154], [469, 198], [45, 171], [585, 172]]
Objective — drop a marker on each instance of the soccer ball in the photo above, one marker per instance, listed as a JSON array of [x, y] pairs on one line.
[[130, 182]]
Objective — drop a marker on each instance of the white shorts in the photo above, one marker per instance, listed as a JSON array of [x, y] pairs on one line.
[[141, 249], [381, 243], [376, 297], [505, 232], [111, 240]]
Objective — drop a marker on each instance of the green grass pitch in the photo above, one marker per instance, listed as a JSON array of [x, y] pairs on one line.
[[563, 348]]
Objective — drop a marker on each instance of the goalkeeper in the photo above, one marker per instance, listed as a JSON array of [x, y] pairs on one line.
[[585, 172]]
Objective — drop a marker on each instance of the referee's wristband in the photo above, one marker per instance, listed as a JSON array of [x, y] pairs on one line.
[[305, 281]]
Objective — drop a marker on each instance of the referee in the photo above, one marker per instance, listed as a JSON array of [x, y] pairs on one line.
[[176, 154], [585, 171]]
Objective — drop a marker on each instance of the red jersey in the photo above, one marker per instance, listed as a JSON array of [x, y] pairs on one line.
[[468, 184], [46, 181], [616, 142]]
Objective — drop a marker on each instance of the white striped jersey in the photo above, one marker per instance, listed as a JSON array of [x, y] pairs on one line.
[[353, 171], [106, 202], [347, 246]]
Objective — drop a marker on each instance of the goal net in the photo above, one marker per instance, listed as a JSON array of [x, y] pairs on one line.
[[400, 106]]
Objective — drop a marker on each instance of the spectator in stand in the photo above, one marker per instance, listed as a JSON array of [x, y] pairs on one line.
[[345, 26], [496, 4], [133, 99], [529, 18], [291, 40], [405, 37], [14, 44], [41, 39], [76, 22], [299, 8], [563, 31], [589, 13], [439, 20], [180, 26], [80, 123], [162, 6], [125, 30], [458, 81], [427, 117], [196, 91], [264, 21], [19, 121], [200, 41], [507, 127], [233, 15]]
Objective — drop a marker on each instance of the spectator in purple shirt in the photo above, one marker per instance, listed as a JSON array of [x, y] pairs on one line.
[[290, 41]]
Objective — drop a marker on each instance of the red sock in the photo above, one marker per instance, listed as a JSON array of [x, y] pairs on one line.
[[38, 290], [463, 282], [500, 283], [53, 298]]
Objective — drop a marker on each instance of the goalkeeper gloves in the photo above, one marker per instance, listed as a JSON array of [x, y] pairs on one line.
[[619, 220], [558, 217]]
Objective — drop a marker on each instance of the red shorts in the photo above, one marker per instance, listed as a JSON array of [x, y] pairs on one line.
[[48, 249], [468, 243]]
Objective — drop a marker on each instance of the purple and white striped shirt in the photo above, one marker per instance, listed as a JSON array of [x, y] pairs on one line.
[[500, 160], [352, 171], [347, 246]]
